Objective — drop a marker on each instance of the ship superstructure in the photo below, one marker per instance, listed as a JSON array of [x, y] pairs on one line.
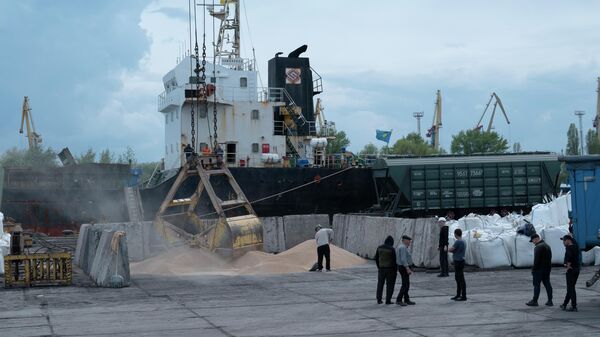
[[255, 126]]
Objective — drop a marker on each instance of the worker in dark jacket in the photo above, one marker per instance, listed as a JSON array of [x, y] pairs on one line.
[[542, 265], [572, 263], [385, 259], [443, 247]]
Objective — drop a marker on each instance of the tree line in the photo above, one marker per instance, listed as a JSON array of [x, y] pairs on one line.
[[466, 142]]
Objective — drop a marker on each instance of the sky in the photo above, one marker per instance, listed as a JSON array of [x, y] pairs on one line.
[[93, 70]]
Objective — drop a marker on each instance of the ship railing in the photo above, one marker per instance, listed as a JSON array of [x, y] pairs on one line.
[[268, 94], [173, 97], [317, 82], [249, 160]]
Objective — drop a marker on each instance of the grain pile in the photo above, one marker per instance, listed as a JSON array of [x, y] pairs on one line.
[[185, 261]]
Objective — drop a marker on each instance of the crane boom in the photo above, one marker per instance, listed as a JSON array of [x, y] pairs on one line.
[[33, 137], [497, 103]]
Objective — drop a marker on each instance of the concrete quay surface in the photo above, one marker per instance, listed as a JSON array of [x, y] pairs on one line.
[[338, 303]]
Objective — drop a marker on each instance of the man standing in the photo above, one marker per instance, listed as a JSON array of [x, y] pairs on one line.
[[323, 236], [443, 247], [572, 264], [385, 259], [404, 261], [458, 257], [542, 265]]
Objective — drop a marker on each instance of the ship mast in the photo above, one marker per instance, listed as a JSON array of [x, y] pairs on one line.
[[230, 24]]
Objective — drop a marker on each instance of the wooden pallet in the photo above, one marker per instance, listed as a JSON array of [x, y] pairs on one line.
[[38, 270]]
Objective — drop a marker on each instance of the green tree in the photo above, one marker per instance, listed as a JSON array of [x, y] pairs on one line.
[[87, 157], [127, 157], [106, 157], [369, 149], [592, 142], [572, 140], [36, 156], [412, 144], [475, 141], [340, 142]]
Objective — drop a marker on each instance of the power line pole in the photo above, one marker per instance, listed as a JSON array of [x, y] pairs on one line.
[[580, 113], [418, 115]]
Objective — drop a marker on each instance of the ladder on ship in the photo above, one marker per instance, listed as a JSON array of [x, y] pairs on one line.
[[133, 201]]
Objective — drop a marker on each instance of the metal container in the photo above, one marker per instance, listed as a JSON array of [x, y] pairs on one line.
[[433, 184], [584, 178]]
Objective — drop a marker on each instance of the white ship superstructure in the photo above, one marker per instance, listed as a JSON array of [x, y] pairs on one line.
[[251, 128]]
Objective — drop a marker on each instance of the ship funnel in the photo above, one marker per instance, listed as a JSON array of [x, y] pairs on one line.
[[296, 53]]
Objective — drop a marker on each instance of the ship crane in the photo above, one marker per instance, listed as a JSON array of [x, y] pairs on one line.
[[434, 131], [326, 129], [497, 103], [34, 138]]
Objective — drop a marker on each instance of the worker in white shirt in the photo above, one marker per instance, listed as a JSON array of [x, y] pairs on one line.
[[323, 236]]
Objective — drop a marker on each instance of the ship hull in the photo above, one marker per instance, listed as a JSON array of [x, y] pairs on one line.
[[52, 208]]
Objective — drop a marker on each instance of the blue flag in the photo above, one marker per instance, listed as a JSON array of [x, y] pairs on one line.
[[384, 135]]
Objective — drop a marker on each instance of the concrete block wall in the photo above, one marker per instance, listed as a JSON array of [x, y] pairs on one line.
[[95, 255], [143, 241], [363, 234], [282, 233]]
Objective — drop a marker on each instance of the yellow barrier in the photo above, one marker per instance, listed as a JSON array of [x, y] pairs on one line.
[[38, 270]]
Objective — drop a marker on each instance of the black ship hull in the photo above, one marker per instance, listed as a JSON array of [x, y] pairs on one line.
[[62, 204]]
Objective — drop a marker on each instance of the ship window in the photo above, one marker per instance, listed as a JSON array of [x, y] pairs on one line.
[[254, 114], [243, 82], [213, 79], [177, 147], [177, 114], [166, 118], [254, 147], [171, 148], [171, 116], [202, 111]]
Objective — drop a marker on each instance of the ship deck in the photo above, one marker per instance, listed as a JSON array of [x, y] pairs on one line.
[[340, 303]]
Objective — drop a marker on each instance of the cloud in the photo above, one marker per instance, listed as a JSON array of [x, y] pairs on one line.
[[93, 70]]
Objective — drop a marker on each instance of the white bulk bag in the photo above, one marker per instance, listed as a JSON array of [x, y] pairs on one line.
[[491, 253], [522, 252], [552, 236]]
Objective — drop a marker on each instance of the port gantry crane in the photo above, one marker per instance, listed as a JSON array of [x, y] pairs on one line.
[[497, 103], [34, 138], [434, 131], [597, 118]]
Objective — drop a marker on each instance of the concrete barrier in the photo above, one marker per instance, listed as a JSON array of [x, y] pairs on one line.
[[97, 258], [81, 242], [363, 234], [299, 228], [108, 261], [273, 234], [143, 240]]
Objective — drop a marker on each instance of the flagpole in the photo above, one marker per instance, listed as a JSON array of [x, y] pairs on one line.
[[388, 142]]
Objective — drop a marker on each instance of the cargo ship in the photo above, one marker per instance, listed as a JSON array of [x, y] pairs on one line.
[[270, 138]]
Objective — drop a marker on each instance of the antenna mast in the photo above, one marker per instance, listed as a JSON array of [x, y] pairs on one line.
[[227, 48]]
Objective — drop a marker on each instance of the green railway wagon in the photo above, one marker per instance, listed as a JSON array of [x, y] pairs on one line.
[[462, 184]]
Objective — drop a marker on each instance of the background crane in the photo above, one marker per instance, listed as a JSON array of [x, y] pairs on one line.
[[326, 129], [33, 137], [434, 131], [497, 103], [597, 118]]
